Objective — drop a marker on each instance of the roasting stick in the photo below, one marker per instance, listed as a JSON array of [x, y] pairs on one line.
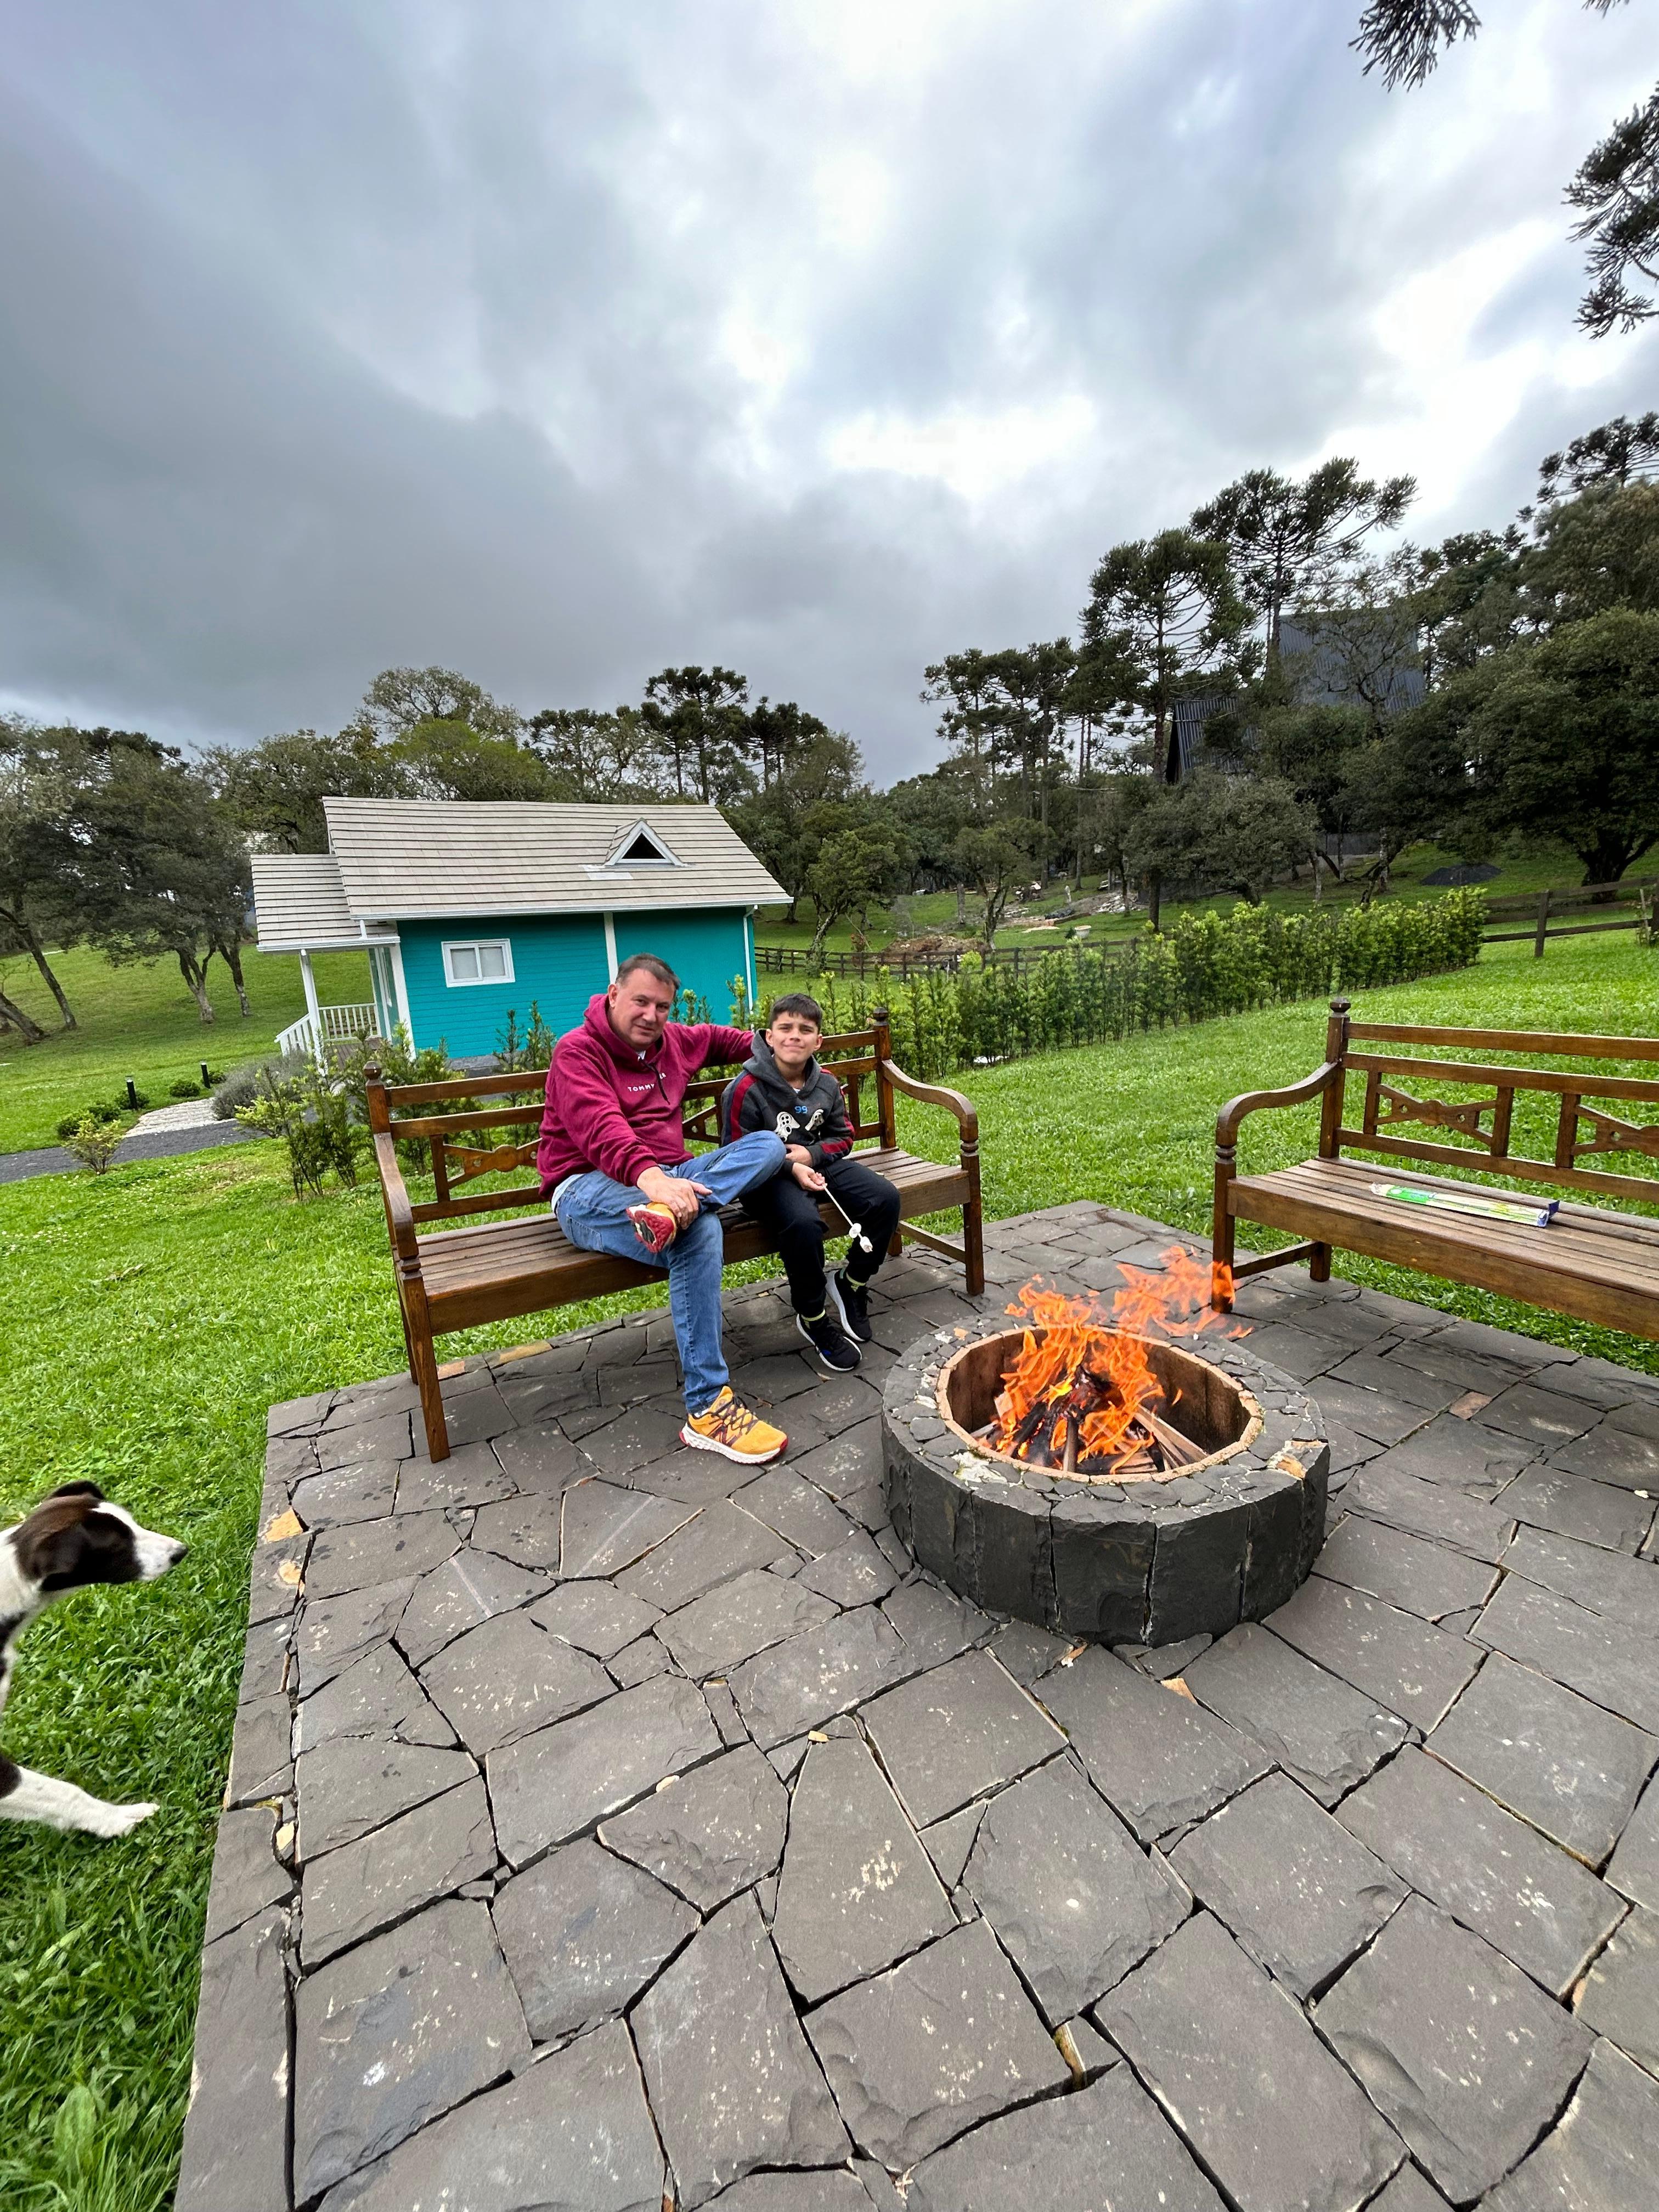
[[854, 1228]]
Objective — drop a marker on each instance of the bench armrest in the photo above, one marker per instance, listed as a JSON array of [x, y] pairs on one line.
[[399, 1216], [1251, 1101], [934, 1094]]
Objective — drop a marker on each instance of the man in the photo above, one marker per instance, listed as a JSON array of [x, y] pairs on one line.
[[613, 1158], [782, 1088]]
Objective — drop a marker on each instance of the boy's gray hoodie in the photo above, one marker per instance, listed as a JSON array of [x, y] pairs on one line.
[[760, 1098]]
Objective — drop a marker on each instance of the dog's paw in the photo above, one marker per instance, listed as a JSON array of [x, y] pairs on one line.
[[117, 1820]]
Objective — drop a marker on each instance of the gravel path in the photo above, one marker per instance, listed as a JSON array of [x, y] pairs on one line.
[[141, 1144]]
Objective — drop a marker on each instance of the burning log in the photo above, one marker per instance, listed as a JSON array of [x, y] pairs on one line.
[[1080, 1397]]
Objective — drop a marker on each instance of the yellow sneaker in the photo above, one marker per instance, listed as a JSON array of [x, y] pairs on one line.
[[728, 1426], [654, 1226]]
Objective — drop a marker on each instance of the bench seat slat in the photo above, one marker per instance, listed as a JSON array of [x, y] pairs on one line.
[[488, 1272], [1600, 1267]]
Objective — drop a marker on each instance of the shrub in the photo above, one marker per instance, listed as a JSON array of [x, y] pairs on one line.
[[185, 1087], [514, 1053], [94, 1142], [1206, 964], [310, 1112], [99, 1110], [243, 1085]]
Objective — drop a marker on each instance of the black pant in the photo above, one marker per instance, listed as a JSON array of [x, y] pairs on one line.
[[791, 1216]]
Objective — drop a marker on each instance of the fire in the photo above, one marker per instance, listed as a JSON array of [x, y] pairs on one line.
[[1082, 1397]]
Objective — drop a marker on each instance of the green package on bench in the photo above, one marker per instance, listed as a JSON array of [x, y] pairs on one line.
[[1534, 1213]]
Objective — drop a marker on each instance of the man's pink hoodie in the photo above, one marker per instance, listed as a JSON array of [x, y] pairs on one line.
[[612, 1107]]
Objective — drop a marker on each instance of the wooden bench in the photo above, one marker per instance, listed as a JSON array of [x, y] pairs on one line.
[[461, 1278], [1590, 1261]]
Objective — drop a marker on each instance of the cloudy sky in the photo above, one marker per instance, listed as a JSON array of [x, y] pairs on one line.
[[557, 342]]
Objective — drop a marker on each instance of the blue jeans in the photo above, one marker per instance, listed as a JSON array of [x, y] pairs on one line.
[[593, 1212]]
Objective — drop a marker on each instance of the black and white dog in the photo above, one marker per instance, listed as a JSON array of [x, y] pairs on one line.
[[73, 1537]]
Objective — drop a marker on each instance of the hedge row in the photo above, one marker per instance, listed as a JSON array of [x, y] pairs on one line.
[[1204, 965]]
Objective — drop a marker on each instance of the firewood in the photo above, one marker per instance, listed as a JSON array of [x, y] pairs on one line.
[[1179, 1450]]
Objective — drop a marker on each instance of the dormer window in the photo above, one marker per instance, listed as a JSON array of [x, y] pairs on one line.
[[642, 847]]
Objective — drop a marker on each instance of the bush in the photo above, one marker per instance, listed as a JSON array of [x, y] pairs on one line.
[[97, 1110], [244, 1085], [185, 1087], [94, 1142], [310, 1112], [1206, 964]]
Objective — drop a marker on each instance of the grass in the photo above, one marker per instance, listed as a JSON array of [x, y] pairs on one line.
[[141, 1021], [150, 1317]]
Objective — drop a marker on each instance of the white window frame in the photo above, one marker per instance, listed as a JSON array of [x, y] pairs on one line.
[[453, 945], [662, 858]]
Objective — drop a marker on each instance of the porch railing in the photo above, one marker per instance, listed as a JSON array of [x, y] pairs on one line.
[[339, 1022]]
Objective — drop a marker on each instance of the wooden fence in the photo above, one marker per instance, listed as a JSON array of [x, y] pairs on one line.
[[1557, 912], [792, 960]]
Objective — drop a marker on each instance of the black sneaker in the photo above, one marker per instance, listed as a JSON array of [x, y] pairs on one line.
[[835, 1348], [850, 1303]]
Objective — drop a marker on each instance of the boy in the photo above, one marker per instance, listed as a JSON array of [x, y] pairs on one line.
[[782, 1089]]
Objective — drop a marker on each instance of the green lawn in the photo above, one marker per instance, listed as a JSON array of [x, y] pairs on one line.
[[141, 1021], [151, 1316]]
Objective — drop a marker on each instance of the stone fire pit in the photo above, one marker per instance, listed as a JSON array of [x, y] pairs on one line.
[[1228, 1538]]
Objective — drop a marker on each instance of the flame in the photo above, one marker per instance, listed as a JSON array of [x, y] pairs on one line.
[[1089, 1365]]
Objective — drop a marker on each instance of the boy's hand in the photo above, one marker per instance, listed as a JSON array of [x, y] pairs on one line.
[[797, 1156], [806, 1175]]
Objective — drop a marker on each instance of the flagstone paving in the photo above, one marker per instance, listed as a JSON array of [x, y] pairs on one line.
[[612, 1829]]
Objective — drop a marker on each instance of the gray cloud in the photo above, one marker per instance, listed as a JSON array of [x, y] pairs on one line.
[[558, 345]]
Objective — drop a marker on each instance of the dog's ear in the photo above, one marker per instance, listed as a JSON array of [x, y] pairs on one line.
[[53, 1542], [89, 1489]]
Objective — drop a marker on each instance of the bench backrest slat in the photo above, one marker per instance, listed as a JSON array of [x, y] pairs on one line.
[[1563, 1046], [1486, 1124], [854, 1058]]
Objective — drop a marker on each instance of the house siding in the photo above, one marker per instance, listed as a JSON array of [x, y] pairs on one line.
[[560, 960], [705, 949]]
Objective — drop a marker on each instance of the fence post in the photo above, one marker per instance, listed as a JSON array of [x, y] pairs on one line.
[[1543, 925]]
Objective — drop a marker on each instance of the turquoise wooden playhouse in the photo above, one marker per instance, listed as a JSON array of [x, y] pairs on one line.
[[468, 909]]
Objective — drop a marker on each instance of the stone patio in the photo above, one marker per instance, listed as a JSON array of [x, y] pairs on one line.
[[612, 1829]]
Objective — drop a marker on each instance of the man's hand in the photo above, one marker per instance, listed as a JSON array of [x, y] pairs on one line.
[[677, 1193], [806, 1175]]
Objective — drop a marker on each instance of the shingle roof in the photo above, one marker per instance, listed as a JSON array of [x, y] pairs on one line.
[[300, 903], [414, 857]]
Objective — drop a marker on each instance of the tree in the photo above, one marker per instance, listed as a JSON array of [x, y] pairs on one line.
[[1163, 610], [154, 865], [1286, 540], [965, 685], [1597, 551], [1033, 698], [1617, 189], [1563, 743], [37, 775], [997, 858], [400, 699], [452, 760], [1614, 454], [931, 810], [273, 790], [1317, 752], [817, 791], [855, 867], [776, 734], [1617, 185], [698, 718], [592, 756], [1238, 832]]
